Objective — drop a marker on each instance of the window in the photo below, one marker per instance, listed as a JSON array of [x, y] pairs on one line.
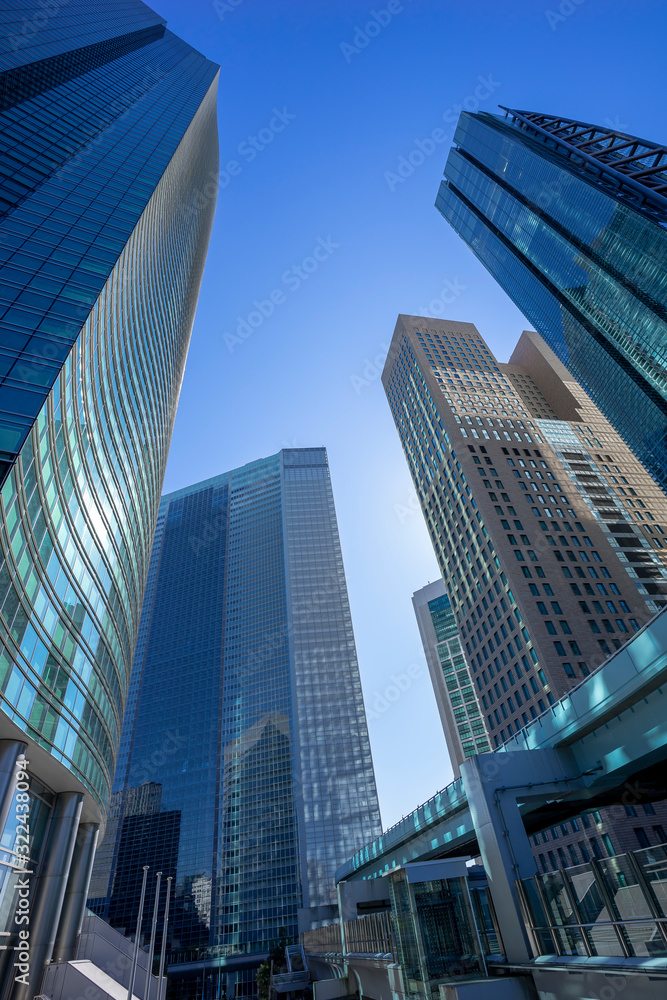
[[569, 670], [560, 649], [541, 607], [642, 837], [565, 628], [551, 628], [660, 834], [648, 809], [556, 608], [595, 847], [608, 846]]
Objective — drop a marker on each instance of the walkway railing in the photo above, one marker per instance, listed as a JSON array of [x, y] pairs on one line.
[[611, 908], [323, 940], [368, 935]]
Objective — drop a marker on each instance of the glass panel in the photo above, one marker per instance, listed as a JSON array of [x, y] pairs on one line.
[[571, 941], [604, 940], [653, 862], [623, 887], [448, 935], [406, 938], [587, 895], [645, 939], [538, 917], [557, 899], [481, 903]]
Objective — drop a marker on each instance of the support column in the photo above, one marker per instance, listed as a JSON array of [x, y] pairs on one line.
[[10, 750], [76, 893], [49, 891], [493, 782]]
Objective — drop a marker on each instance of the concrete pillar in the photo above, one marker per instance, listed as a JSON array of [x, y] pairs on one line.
[[49, 890], [493, 783], [10, 750], [76, 893]]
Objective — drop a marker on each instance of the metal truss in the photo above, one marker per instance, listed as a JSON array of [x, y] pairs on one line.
[[634, 166]]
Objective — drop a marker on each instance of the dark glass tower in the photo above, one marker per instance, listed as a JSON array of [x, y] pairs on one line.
[[570, 219], [246, 713], [108, 161]]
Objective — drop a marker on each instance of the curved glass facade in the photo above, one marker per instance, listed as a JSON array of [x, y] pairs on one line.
[[245, 769], [584, 266], [102, 260]]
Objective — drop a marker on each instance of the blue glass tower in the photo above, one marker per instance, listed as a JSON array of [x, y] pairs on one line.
[[571, 219], [245, 718], [108, 163]]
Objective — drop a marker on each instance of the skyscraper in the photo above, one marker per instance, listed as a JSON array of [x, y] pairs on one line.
[[463, 723], [109, 136], [246, 710], [570, 219], [546, 567]]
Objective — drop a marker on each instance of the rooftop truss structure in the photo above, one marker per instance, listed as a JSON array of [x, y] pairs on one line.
[[634, 167]]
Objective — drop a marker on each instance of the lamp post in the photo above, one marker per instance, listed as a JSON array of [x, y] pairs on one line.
[[135, 953], [152, 944], [162, 985]]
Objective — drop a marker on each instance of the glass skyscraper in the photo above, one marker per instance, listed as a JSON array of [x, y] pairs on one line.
[[245, 733], [463, 723], [570, 219], [109, 144]]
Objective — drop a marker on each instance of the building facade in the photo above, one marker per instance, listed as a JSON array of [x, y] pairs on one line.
[[109, 133], [531, 567], [547, 569], [246, 711], [570, 219], [462, 721]]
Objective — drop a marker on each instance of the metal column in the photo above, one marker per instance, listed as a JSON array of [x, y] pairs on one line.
[[49, 891], [76, 893]]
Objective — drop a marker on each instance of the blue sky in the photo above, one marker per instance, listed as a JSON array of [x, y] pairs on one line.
[[315, 113]]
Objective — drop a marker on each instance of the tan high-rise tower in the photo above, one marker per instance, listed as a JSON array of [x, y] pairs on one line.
[[548, 565]]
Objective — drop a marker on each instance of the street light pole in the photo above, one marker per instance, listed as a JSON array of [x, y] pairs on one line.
[[164, 941], [152, 944], [135, 953]]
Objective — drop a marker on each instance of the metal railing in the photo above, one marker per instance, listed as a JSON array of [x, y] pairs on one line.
[[371, 934], [290, 978], [323, 940], [609, 908]]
